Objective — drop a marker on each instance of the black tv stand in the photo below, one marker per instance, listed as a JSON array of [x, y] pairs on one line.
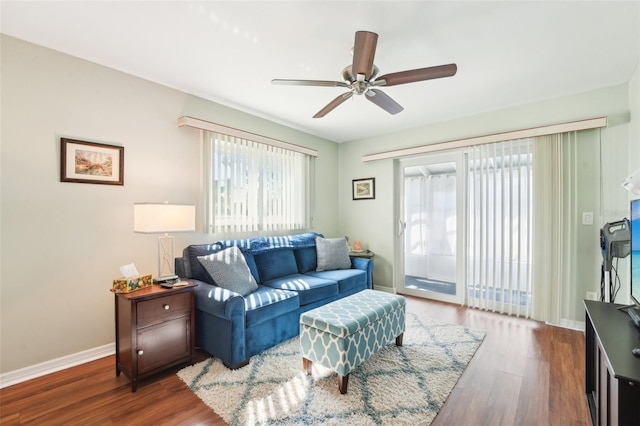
[[612, 373]]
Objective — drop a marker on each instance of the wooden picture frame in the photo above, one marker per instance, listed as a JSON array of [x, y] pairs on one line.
[[364, 189], [90, 162]]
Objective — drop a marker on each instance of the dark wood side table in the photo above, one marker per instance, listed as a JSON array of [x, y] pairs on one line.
[[155, 329], [368, 254]]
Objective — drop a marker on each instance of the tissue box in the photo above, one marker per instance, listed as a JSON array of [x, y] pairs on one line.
[[127, 285]]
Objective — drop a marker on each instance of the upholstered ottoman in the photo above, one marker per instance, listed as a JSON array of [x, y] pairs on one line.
[[343, 334]]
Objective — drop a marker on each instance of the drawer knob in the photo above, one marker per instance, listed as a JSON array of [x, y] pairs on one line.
[[166, 307], [140, 351]]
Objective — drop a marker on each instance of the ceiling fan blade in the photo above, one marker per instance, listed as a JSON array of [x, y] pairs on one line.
[[333, 104], [384, 101], [309, 83], [364, 51], [420, 74]]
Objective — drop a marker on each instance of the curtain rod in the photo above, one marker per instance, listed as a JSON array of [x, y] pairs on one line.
[[591, 123], [196, 123]]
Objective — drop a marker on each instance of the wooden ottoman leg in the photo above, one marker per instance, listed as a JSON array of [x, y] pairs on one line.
[[306, 365], [343, 381], [399, 339]]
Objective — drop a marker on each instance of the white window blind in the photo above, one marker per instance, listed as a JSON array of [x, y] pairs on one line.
[[556, 171], [252, 186], [499, 217]]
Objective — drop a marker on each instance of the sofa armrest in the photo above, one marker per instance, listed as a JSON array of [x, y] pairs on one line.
[[366, 265], [219, 302], [220, 323]]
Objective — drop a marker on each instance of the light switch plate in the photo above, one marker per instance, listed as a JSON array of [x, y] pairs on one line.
[[587, 218]]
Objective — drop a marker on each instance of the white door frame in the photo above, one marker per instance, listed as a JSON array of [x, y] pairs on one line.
[[456, 157]]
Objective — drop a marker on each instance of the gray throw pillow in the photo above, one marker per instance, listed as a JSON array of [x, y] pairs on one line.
[[332, 253], [228, 269]]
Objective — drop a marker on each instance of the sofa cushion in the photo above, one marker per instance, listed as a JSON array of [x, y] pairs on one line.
[[251, 262], [196, 269], [267, 303], [309, 288], [332, 253], [276, 263], [307, 259], [349, 280], [229, 270]]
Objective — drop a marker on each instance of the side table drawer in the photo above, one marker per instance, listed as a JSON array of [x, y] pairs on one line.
[[163, 308]]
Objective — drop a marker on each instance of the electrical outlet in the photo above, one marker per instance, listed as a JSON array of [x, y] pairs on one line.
[[592, 295]]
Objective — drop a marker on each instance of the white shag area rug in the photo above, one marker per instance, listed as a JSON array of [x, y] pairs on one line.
[[397, 386]]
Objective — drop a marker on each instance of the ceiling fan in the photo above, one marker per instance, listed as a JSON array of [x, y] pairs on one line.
[[361, 77]]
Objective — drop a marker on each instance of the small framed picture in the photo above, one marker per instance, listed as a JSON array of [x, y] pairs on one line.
[[90, 162], [364, 189]]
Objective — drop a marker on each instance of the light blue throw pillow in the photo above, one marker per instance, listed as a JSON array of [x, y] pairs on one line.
[[333, 253], [228, 269]]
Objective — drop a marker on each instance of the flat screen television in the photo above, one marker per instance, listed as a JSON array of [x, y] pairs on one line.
[[634, 229], [634, 285]]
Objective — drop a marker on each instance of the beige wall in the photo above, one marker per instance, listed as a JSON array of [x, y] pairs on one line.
[[62, 243], [378, 230]]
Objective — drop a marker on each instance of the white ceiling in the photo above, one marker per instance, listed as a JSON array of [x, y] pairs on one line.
[[508, 53]]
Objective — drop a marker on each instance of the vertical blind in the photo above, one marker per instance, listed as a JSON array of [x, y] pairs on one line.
[[251, 186], [554, 276], [499, 230]]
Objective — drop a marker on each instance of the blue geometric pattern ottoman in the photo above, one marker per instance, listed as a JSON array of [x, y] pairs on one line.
[[343, 334]]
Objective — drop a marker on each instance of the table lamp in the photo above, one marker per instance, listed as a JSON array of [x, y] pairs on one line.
[[154, 218]]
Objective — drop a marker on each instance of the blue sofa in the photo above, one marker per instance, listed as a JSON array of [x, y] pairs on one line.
[[233, 327]]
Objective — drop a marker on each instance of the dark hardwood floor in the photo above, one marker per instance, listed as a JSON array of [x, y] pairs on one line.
[[524, 373]]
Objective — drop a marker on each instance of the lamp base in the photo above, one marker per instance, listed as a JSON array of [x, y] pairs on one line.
[[165, 256]]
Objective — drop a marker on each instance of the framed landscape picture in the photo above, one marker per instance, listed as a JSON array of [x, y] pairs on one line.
[[364, 189], [90, 162]]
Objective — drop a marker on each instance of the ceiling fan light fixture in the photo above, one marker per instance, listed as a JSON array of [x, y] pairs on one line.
[[359, 87]]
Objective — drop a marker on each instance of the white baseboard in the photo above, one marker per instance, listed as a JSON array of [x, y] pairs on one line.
[[572, 324], [62, 363], [385, 289]]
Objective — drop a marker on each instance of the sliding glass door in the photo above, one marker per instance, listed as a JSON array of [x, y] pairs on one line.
[[430, 227], [465, 227]]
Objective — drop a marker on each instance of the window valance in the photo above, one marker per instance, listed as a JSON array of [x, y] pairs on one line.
[[186, 121], [591, 123]]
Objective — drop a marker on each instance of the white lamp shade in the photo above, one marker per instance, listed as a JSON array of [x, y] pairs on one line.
[[153, 218]]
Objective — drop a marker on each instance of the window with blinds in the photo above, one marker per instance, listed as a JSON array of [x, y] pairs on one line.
[[252, 186]]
